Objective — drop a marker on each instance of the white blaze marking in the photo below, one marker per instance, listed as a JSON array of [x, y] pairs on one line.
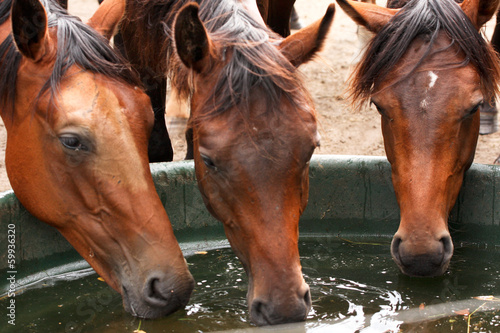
[[434, 78], [432, 82]]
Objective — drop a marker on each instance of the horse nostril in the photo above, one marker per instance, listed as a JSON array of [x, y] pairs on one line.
[[396, 242], [153, 293], [258, 313], [447, 247], [307, 300]]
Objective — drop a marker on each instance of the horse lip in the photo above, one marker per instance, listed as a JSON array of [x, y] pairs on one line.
[[436, 269], [127, 304]]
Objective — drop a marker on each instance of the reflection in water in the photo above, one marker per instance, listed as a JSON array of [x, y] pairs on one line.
[[354, 287]]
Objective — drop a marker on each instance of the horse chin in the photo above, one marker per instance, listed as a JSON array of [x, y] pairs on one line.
[[157, 298], [421, 267]]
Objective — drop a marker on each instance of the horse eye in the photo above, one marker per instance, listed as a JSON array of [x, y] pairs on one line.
[[72, 142], [475, 108], [208, 161], [379, 109]]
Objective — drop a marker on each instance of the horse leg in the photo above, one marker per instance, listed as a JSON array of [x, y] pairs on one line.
[[189, 143], [489, 122], [177, 112], [177, 106], [488, 118], [295, 22], [160, 146], [276, 14]]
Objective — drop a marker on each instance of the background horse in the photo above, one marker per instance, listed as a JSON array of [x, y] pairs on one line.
[[77, 130], [253, 126], [276, 14], [428, 71]]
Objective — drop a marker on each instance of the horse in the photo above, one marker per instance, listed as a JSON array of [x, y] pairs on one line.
[[488, 115], [276, 14], [428, 72], [253, 128], [77, 124]]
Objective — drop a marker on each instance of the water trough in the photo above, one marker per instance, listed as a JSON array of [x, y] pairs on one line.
[[351, 201]]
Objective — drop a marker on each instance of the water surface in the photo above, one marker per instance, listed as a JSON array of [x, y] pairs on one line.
[[355, 286]]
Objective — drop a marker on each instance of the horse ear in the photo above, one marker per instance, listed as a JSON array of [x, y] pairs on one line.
[[372, 17], [191, 39], [29, 28], [107, 17], [480, 11], [305, 43]]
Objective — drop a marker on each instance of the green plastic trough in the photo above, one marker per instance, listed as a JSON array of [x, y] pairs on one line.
[[350, 196]]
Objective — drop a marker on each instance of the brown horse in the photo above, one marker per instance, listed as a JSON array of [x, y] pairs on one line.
[[254, 130], [428, 71], [77, 131], [276, 14]]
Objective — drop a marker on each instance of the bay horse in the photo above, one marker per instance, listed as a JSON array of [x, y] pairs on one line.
[[276, 14], [428, 71], [77, 131], [253, 130]]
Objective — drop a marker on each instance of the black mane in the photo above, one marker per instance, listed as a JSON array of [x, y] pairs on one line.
[[424, 18], [77, 44]]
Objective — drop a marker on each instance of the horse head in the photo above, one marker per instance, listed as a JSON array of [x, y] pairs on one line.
[[77, 131], [428, 72], [254, 130]]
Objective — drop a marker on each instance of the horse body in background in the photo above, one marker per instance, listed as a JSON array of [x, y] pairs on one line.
[[77, 131], [276, 14], [428, 71], [253, 130]]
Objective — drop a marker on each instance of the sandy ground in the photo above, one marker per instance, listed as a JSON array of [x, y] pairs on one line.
[[343, 131]]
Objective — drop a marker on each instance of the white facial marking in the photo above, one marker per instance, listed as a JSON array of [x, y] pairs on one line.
[[433, 78], [423, 104]]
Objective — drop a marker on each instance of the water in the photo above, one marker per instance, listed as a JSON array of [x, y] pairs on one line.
[[355, 286]]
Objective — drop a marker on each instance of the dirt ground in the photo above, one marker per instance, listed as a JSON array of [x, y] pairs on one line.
[[343, 131]]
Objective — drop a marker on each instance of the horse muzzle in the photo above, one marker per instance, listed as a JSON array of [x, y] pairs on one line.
[[159, 296], [281, 307], [422, 258]]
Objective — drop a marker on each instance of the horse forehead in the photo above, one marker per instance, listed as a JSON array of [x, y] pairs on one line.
[[84, 95], [432, 83], [265, 129], [446, 86]]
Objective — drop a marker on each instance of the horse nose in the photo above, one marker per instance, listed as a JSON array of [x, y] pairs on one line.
[[164, 295], [289, 310], [422, 258]]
